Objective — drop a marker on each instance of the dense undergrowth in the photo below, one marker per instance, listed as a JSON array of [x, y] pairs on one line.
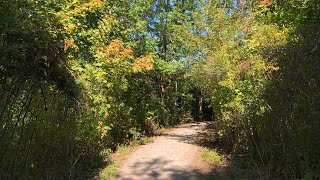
[[263, 85], [81, 76]]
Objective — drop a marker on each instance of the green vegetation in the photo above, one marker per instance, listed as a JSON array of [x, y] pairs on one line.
[[145, 140], [110, 172], [211, 156], [78, 78], [114, 160]]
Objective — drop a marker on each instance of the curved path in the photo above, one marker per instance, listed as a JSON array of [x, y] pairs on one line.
[[174, 155]]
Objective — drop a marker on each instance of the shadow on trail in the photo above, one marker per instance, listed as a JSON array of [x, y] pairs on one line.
[[154, 168], [206, 137]]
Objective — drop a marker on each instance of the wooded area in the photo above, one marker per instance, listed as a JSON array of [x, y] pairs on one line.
[[78, 77]]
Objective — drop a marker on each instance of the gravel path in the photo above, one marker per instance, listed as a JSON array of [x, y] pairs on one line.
[[173, 155]]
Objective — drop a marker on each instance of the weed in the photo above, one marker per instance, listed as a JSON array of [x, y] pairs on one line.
[[106, 152], [144, 140], [211, 156], [111, 170]]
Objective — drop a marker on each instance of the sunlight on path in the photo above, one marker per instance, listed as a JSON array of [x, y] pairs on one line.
[[170, 156]]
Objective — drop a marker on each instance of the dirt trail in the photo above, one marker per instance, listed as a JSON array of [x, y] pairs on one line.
[[173, 155]]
